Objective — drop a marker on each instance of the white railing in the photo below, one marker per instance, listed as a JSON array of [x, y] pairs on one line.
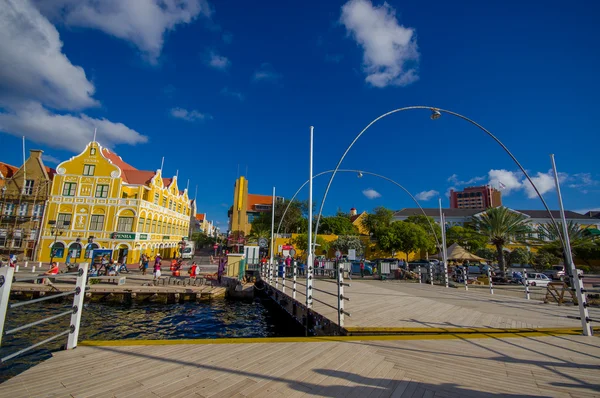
[[7, 277]]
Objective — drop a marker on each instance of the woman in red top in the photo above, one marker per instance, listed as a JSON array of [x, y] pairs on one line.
[[54, 269], [193, 270]]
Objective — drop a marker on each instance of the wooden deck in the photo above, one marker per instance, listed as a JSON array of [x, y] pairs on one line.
[[553, 366], [395, 304]]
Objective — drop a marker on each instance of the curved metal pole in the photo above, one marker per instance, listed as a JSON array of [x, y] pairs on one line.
[[368, 173], [433, 109]]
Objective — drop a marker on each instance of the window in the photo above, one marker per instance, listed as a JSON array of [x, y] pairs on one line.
[[88, 169], [28, 188], [63, 220], [153, 226], [159, 228], [97, 222], [156, 198], [141, 225], [38, 210], [17, 241], [75, 250], [58, 250], [101, 191], [170, 204], [125, 224], [178, 207], [69, 189], [147, 225], [8, 209], [164, 201], [23, 209]]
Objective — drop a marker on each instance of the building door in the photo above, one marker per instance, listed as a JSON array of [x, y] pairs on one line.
[[122, 255]]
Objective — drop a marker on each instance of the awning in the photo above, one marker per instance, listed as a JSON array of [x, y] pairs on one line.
[[592, 232]]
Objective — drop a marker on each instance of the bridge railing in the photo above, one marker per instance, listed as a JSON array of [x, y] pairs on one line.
[[7, 277]]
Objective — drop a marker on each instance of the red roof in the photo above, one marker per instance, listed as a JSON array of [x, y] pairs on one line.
[[50, 172], [137, 177], [116, 160], [254, 200], [7, 170], [200, 216], [167, 181]]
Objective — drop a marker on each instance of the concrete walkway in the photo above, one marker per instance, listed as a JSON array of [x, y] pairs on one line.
[[553, 366]]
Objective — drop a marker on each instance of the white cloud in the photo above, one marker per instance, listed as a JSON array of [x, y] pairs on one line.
[[582, 181], [141, 22], [71, 132], [40, 77], [190, 116], [455, 180], [506, 181], [218, 61], [50, 159], [34, 67], [426, 195], [266, 73], [228, 93], [390, 50], [544, 182], [447, 194], [371, 193]]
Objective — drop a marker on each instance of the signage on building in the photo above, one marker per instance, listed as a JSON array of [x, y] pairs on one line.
[[184, 238], [166, 237], [123, 236], [352, 254], [143, 236], [262, 242]]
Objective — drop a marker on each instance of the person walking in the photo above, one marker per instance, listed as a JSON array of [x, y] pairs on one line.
[[362, 268], [193, 270], [288, 266], [156, 272], [222, 264]]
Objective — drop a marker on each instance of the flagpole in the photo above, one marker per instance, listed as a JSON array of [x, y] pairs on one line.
[[162, 163]]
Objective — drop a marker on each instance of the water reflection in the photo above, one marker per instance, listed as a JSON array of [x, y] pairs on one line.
[[221, 318]]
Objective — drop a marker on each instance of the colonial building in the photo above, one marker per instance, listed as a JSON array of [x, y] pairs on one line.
[[100, 201], [536, 218], [246, 207], [24, 194]]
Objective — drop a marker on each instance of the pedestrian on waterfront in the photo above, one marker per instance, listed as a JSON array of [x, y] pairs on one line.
[[221, 269], [156, 273], [362, 268], [68, 259], [288, 266], [12, 261], [144, 264], [193, 270]]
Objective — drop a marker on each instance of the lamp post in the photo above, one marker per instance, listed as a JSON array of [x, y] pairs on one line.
[[436, 113]]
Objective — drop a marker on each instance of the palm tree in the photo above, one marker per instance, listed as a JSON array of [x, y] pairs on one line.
[[577, 235], [259, 231], [501, 226]]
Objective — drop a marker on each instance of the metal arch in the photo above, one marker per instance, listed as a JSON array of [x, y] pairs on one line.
[[368, 173], [433, 109]]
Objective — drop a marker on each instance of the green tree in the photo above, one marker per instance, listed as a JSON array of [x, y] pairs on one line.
[[301, 242], [499, 226], [202, 240], [259, 231], [487, 253], [337, 225], [345, 243], [380, 218], [406, 237], [543, 260], [465, 237], [428, 223], [520, 256], [588, 251], [293, 222], [550, 236]]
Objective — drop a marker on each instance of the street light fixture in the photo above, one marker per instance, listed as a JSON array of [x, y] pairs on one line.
[[435, 114]]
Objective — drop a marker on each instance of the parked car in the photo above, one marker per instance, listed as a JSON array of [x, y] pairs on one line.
[[537, 279], [368, 267], [557, 272]]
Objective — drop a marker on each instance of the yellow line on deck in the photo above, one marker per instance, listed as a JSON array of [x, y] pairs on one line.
[[329, 339], [459, 330]]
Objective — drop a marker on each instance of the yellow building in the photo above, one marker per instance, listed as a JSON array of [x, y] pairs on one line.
[[246, 207], [128, 211]]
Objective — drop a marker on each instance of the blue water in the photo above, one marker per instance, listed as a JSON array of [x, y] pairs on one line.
[[217, 319]]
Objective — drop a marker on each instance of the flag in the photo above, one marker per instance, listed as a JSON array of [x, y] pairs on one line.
[[501, 186]]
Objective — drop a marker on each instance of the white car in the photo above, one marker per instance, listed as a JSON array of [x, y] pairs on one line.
[[537, 280]]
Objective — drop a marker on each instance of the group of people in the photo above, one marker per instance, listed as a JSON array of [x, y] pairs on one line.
[[108, 267]]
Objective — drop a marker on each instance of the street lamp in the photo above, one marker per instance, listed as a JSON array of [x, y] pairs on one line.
[[436, 114]]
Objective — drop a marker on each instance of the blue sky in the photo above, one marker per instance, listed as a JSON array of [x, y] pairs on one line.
[[228, 85]]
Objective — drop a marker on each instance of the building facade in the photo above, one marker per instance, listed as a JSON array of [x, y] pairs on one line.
[[24, 193], [482, 197], [246, 207], [100, 202]]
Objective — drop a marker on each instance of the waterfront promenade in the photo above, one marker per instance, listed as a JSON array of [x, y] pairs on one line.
[[386, 305], [408, 366]]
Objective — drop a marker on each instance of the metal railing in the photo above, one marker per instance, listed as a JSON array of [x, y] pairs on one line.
[[7, 277]]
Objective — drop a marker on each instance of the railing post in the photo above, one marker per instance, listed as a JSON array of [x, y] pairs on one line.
[[419, 272], [340, 280], [526, 285], [6, 278], [431, 274], [466, 276], [489, 272], [309, 283], [277, 275], [270, 271], [77, 306], [294, 285], [283, 278]]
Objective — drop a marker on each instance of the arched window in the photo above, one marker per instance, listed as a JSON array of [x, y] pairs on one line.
[[58, 250], [75, 250]]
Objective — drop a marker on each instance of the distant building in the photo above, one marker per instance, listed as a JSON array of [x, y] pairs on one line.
[[246, 207], [24, 193], [482, 197], [357, 221]]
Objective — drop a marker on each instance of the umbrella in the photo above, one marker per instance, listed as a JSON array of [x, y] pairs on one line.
[[457, 252]]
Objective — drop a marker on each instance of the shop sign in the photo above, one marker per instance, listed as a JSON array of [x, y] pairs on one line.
[[143, 236], [166, 237], [123, 236]]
